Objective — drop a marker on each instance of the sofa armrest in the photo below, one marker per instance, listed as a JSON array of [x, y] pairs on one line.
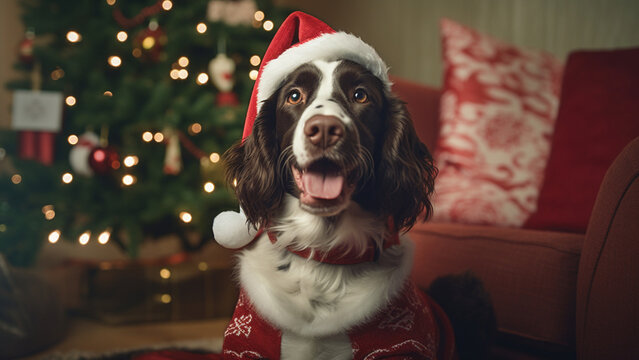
[[608, 279]]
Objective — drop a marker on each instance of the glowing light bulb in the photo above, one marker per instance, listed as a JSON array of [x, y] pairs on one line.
[[110, 2], [130, 160], [104, 237], [253, 74], [195, 128], [147, 136], [234, 182], [183, 61], [165, 298], [54, 236], [158, 137], [122, 36], [70, 100], [201, 28], [49, 215], [183, 74], [16, 179], [167, 5], [209, 187], [67, 178], [57, 74], [268, 25], [165, 273], [72, 139], [73, 36], [202, 78], [255, 60], [259, 15], [174, 74], [114, 61], [202, 266], [186, 217], [214, 157], [148, 42], [108, 93], [128, 180], [84, 238]]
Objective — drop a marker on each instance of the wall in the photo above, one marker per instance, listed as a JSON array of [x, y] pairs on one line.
[[405, 32], [11, 33]]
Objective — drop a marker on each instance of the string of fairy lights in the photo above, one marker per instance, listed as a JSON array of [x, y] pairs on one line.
[[178, 72]]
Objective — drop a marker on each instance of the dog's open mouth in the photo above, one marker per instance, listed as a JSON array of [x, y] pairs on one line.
[[323, 187]]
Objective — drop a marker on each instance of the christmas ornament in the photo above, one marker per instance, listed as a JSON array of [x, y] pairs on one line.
[[80, 152], [139, 18], [221, 69], [103, 160], [149, 43], [173, 156], [25, 48], [38, 116], [231, 12]]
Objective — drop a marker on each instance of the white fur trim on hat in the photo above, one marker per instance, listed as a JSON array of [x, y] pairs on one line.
[[328, 47]]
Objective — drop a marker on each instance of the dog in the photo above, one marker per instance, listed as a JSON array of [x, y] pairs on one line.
[[332, 174], [333, 159]]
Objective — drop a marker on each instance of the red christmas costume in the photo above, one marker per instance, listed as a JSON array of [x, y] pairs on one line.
[[412, 326]]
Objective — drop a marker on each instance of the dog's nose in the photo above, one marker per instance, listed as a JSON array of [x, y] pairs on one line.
[[324, 131]]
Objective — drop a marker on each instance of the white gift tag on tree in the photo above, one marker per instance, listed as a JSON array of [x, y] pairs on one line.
[[37, 110]]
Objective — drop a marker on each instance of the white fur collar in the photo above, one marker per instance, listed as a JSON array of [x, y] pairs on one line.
[[316, 299]]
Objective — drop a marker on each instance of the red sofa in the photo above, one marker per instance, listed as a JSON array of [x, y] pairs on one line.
[[557, 295]]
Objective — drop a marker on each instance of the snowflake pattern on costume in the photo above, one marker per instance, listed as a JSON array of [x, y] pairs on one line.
[[405, 346], [244, 354], [398, 318], [400, 330], [240, 326]]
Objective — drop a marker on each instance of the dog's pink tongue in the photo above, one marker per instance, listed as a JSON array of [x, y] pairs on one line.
[[321, 185]]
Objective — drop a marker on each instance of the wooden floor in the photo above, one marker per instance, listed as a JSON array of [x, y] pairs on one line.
[[91, 336]]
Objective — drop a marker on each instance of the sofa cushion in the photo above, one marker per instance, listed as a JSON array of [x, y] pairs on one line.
[[422, 102], [597, 117], [498, 108], [531, 275]]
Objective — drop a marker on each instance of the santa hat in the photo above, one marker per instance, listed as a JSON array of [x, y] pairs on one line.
[[300, 39]]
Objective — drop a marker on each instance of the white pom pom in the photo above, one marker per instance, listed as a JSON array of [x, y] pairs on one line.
[[231, 231], [79, 154]]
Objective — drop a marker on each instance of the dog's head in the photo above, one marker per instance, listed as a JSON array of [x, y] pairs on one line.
[[333, 134]]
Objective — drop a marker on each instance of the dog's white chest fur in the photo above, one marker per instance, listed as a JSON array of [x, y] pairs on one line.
[[314, 304]]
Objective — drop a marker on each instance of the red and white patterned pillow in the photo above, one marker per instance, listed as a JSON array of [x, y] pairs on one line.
[[498, 109]]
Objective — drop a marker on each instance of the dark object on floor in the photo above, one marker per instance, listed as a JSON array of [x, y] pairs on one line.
[[31, 316], [470, 310]]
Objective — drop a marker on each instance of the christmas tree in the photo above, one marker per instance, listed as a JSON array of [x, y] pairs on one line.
[[150, 94]]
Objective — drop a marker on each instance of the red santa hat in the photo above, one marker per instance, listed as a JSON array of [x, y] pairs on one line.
[[300, 39]]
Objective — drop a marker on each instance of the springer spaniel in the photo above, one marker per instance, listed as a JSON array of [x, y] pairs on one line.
[[333, 169]]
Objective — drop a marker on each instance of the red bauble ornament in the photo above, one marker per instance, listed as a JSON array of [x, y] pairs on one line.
[[103, 160], [149, 43], [25, 49]]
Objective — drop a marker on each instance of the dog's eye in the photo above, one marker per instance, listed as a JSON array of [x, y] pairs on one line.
[[294, 97], [360, 96]]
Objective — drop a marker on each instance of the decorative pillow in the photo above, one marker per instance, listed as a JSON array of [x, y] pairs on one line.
[[497, 114], [598, 117]]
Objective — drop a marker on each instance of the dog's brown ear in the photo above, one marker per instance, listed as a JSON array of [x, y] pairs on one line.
[[253, 163], [405, 173]]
